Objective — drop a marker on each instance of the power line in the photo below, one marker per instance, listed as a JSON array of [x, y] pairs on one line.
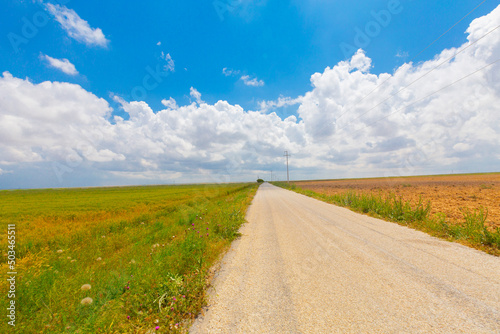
[[453, 26], [399, 91], [287, 175], [428, 46], [443, 88]]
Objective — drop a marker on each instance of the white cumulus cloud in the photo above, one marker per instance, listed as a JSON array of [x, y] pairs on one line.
[[50, 121], [254, 82], [61, 64], [339, 130], [76, 27], [195, 95], [170, 103], [247, 80], [170, 62], [229, 72], [281, 102]]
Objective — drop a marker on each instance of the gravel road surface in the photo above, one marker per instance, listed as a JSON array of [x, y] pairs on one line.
[[305, 266]]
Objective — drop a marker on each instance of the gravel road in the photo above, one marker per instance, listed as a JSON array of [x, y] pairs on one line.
[[305, 266]]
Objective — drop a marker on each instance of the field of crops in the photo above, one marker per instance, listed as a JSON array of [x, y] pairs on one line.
[[463, 208], [123, 259], [451, 195]]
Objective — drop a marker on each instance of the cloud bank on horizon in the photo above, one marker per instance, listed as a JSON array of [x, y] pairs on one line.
[[68, 135]]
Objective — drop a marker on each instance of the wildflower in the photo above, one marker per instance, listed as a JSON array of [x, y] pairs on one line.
[[59, 251], [73, 260], [157, 321], [132, 261], [98, 259], [86, 287], [192, 224], [128, 317], [157, 327], [103, 236], [183, 296], [86, 301], [69, 257]]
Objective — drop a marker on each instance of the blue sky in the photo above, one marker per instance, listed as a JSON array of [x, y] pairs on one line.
[[278, 42], [247, 53]]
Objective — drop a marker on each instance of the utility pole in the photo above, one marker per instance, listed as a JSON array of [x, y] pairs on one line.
[[287, 175]]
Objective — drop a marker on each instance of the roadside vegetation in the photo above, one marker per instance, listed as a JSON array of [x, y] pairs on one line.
[[472, 232], [117, 260]]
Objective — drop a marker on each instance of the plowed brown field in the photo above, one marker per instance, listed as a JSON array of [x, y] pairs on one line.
[[448, 194]]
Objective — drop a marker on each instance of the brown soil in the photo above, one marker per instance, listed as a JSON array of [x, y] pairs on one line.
[[448, 194]]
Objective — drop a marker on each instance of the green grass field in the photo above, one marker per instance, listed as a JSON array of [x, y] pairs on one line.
[[116, 260]]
